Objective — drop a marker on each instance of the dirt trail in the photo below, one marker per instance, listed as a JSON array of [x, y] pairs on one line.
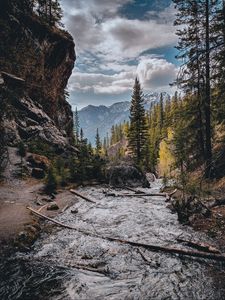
[[16, 194]]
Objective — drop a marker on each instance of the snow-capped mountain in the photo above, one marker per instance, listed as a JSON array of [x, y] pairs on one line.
[[104, 117]]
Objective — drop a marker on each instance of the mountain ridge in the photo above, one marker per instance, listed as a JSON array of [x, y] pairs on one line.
[[104, 117]]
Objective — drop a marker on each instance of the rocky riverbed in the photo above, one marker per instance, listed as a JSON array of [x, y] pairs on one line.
[[67, 264]]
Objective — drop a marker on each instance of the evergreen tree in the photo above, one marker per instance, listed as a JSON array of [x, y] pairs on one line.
[[76, 126], [197, 46], [137, 135], [98, 145], [50, 11]]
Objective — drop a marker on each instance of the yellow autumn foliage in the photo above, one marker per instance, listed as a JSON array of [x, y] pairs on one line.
[[166, 158]]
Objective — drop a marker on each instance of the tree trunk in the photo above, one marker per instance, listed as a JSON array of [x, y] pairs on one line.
[[208, 145]]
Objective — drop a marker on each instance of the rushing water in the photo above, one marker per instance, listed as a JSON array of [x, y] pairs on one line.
[[67, 264]]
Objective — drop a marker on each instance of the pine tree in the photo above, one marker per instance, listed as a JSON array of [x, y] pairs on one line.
[[197, 49], [76, 127], [98, 145], [137, 136], [161, 112], [50, 11]]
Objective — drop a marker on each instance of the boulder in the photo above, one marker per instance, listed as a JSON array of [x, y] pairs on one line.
[[53, 206], [38, 173], [126, 175]]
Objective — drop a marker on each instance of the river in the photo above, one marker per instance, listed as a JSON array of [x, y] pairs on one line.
[[66, 264]]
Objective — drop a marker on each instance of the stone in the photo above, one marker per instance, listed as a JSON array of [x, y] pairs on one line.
[[38, 173], [53, 206], [74, 211], [127, 175]]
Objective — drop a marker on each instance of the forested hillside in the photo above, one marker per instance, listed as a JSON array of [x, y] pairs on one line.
[[186, 133]]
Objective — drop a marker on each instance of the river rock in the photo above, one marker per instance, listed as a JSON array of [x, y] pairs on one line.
[[126, 175], [53, 206]]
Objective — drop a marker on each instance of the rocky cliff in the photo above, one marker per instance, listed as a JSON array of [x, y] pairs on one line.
[[41, 57]]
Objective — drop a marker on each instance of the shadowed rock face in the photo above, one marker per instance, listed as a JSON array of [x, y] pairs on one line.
[[43, 57]]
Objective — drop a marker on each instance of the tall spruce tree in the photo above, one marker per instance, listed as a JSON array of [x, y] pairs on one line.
[[98, 145], [76, 127], [137, 135], [196, 49]]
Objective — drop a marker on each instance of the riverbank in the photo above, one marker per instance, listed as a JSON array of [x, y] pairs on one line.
[[203, 214]]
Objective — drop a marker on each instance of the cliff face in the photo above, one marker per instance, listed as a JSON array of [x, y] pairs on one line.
[[43, 57]]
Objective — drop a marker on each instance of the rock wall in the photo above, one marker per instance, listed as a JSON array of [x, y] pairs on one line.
[[44, 57]]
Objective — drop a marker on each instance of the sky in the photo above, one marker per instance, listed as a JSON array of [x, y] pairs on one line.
[[117, 40]]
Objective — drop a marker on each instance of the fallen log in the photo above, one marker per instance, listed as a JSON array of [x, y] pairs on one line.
[[37, 213], [199, 246], [133, 190], [82, 196], [91, 269], [201, 254], [42, 207], [140, 195], [65, 208]]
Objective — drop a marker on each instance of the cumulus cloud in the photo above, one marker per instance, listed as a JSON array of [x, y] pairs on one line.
[[156, 73]]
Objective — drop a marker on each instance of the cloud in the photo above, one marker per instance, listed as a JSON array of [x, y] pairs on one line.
[[155, 73], [129, 38], [110, 48], [97, 27], [102, 84]]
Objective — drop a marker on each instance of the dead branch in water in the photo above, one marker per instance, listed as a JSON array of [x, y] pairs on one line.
[[82, 196], [133, 190], [138, 195], [37, 213], [142, 194], [200, 246], [201, 254]]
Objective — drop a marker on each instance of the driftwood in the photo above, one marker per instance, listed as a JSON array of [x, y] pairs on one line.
[[37, 213], [82, 196], [42, 207], [200, 246], [135, 191], [143, 194], [139, 195], [65, 208], [91, 269], [201, 254]]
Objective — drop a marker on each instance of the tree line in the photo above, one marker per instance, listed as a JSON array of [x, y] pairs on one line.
[[49, 11], [190, 124]]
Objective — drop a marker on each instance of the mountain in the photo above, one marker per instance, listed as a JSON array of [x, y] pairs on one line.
[[104, 117]]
